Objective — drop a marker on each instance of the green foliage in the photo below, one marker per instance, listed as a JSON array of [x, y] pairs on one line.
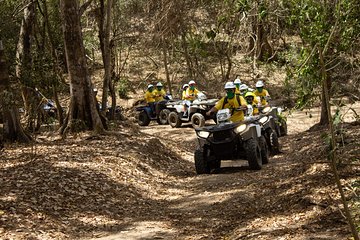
[[197, 45], [123, 88], [242, 6], [315, 23]]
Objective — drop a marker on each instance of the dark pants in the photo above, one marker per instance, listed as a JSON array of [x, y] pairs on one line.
[[152, 107]]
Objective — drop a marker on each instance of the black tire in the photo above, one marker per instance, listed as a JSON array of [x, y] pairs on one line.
[[253, 154], [143, 119], [174, 120], [197, 120], [215, 165], [283, 128], [163, 117], [264, 150], [201, 163], [273, 142]]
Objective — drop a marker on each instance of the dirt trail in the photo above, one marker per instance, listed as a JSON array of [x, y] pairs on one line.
[[282, 201], [141, 184]]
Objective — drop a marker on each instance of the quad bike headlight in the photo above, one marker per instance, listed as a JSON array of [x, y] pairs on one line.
[[266, 109], [203, 134], [240, 128], [263, 120]]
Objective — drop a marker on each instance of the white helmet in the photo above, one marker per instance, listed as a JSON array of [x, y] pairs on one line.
[[259, 84], [237, 81], [159, 84], [243, 87], [229, 85], [191, 82], [185, 85], [150, 86]]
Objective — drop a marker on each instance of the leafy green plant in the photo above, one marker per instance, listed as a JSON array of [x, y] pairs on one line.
[[123, 88]]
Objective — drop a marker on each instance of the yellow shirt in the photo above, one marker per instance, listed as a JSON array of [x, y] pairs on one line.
[[159, 95], [262, 96], [183, 95], [237, 91], [233, 103], [191, 94], [150, 96]]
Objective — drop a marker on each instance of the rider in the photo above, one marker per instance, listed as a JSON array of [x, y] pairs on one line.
[[184, 87], [192, 92], [190, 95], [231, 101], [159, 92], [250, 99], [261, 92], [237, 83], [243, 89], [150, 98]]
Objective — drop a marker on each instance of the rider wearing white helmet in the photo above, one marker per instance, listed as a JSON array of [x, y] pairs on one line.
[[243, 89], [191, 92], [150, 97], [237, 83], [159, 92], [149, 94], [184, 87], [262, 93], [231, 101]]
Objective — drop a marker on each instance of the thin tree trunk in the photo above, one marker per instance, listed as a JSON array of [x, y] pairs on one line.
[[333, 155], [324, 120], [165, 59], [187, 56], [82, 113], [13, 131], [23, 66], [107, 56], [57, 68]]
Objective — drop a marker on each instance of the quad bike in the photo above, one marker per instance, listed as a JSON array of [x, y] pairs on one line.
[[270, 132], [280, 120], [230, 141], [146, 115], [195, 112]]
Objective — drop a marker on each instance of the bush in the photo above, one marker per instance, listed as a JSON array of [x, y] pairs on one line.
[[123, 88]]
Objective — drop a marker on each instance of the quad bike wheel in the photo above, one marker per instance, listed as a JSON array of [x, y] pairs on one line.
[[174, 120], [163, 117], [253, 154], [201, 161], [264, 150], [197, 120], [273, 142], [143, 119]]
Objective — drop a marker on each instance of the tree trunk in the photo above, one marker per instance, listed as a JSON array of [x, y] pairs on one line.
[[57, 68], [259, 45], [82, 114], [166, 67], [106, 55], [13, 131], [187, 56], [23, 66], [324, 120]]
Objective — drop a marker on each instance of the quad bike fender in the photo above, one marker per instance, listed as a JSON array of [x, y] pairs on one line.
[[253, 131]]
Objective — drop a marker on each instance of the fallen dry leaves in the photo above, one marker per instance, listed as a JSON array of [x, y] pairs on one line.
[[135, 184]]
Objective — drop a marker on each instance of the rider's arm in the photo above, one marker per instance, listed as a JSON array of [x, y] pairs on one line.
[[217, 107], [212, 110]]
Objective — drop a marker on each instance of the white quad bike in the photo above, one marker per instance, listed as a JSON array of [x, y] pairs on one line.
[[194, 112]]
